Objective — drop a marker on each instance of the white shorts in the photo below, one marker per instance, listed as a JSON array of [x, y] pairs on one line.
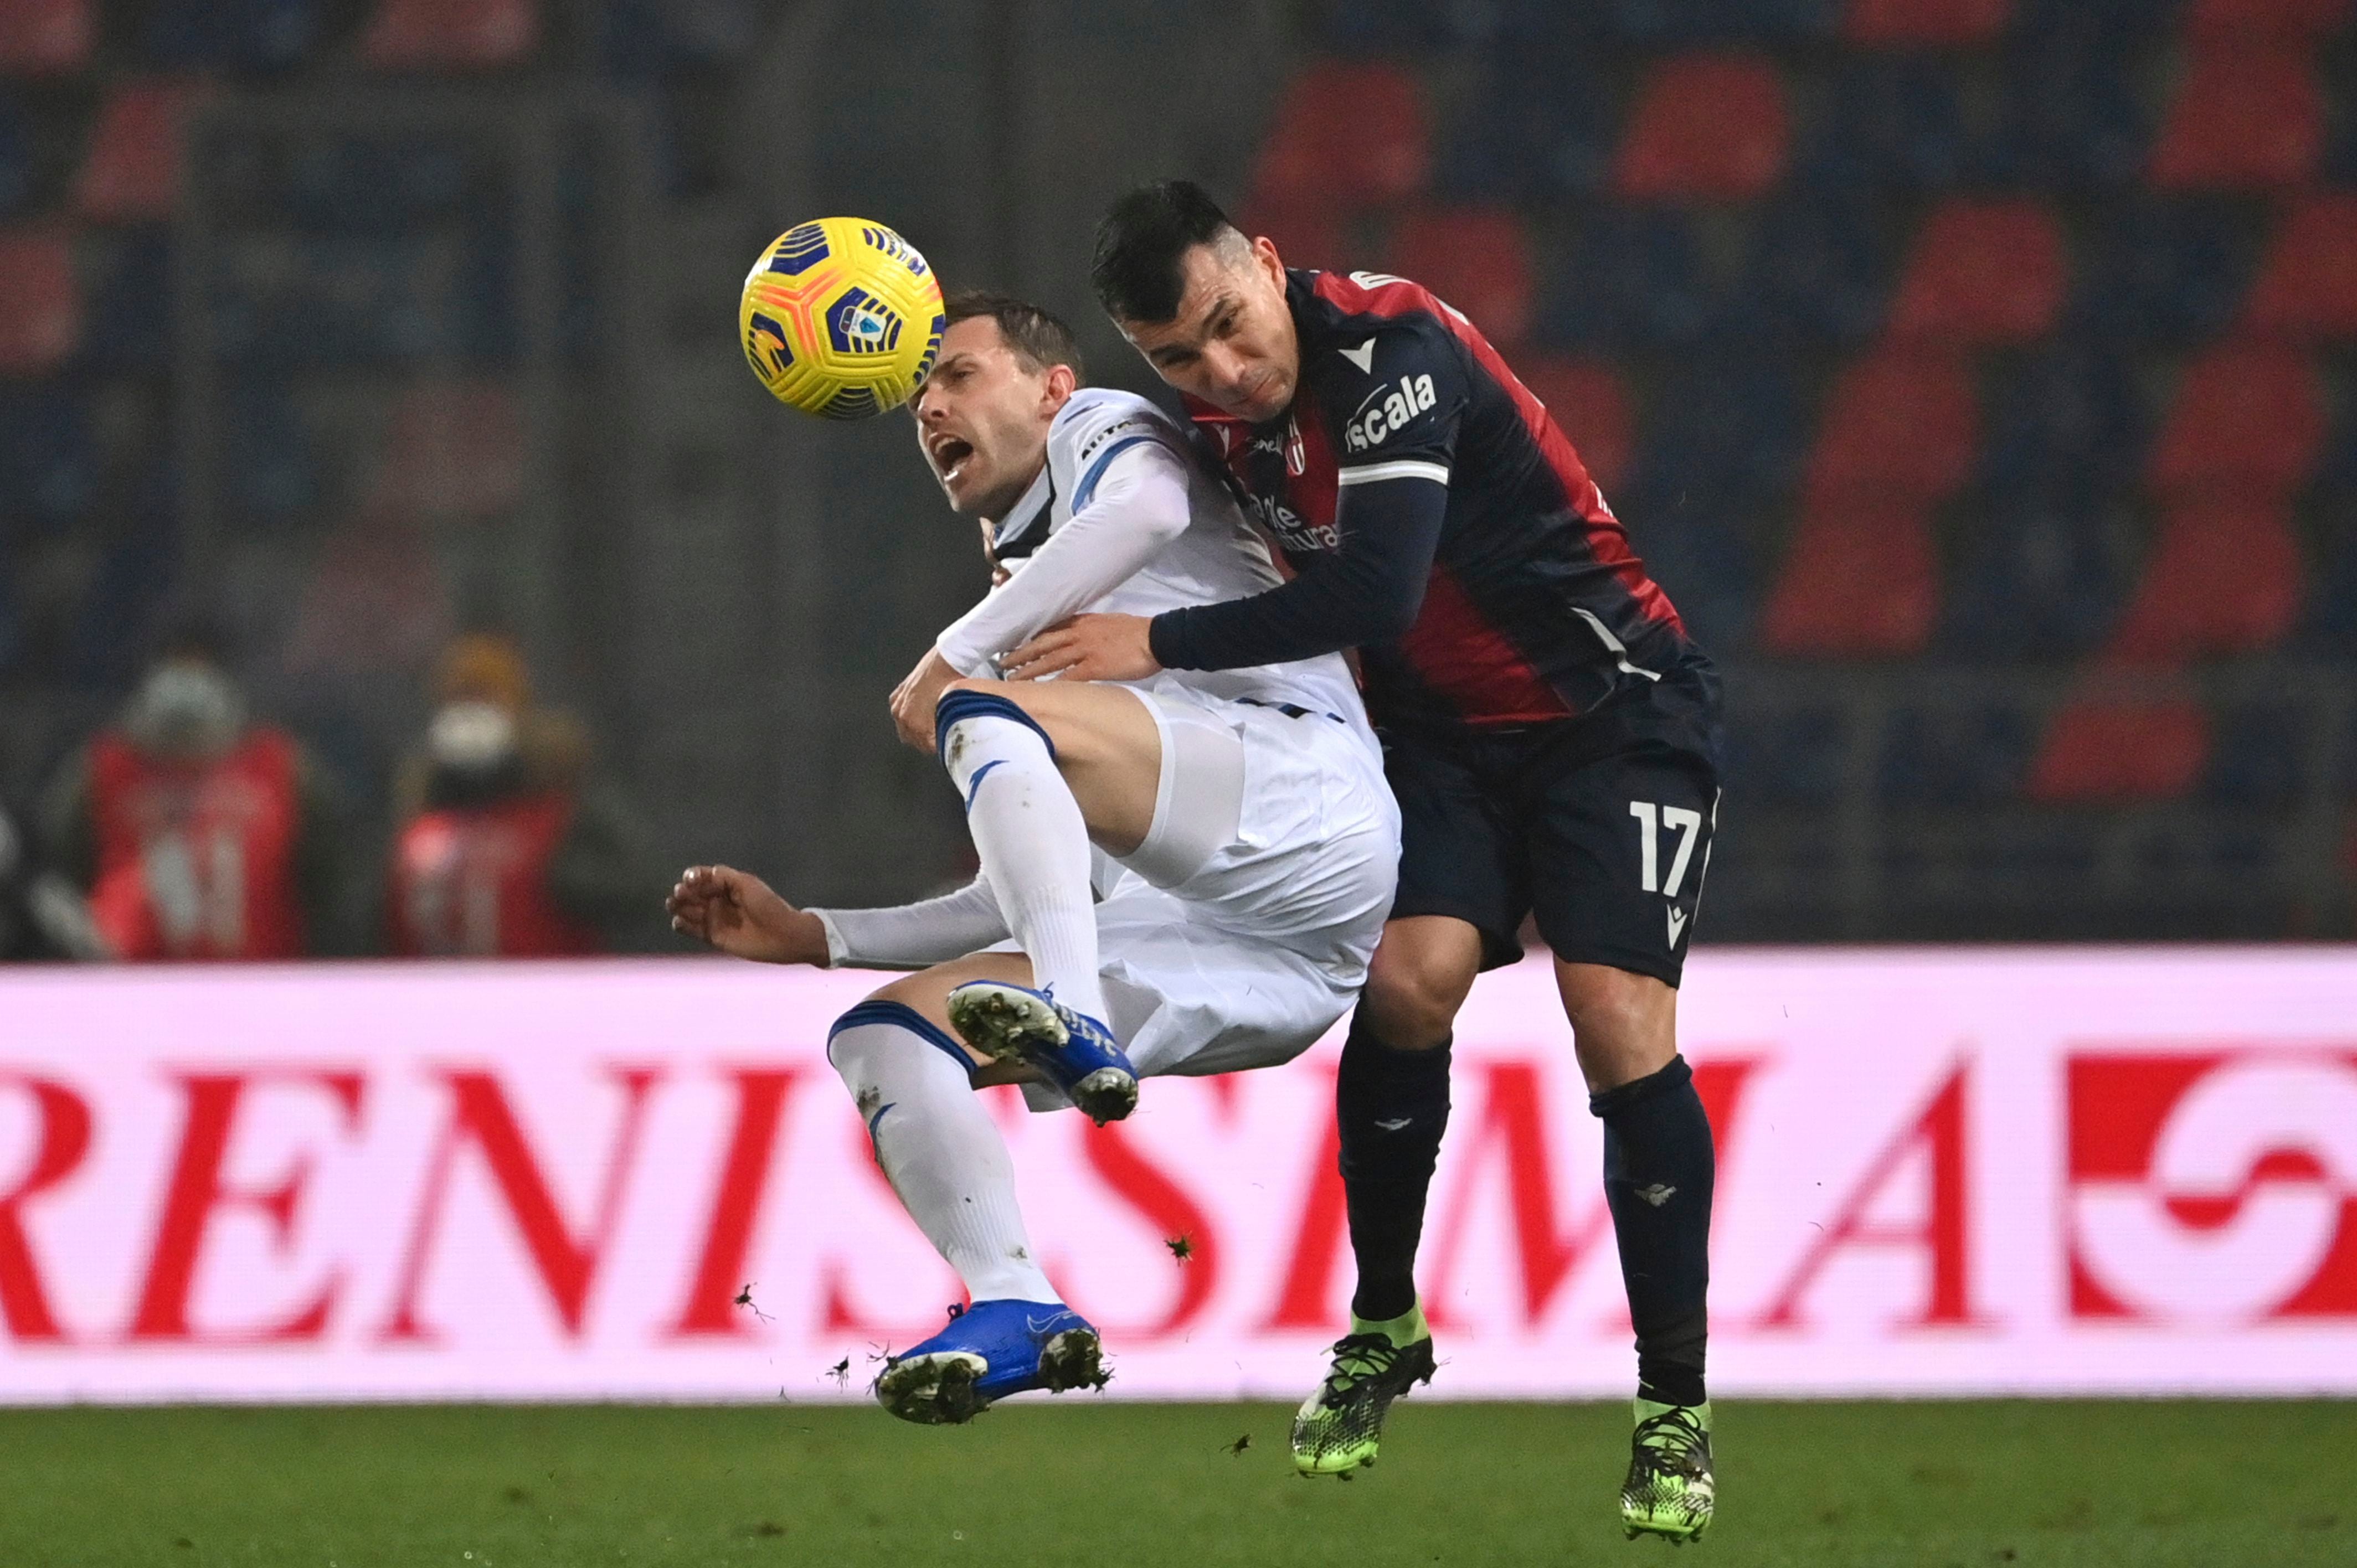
[[1251, 959]]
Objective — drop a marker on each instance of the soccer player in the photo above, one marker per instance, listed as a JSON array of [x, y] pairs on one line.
[[1550, 729], [1246, 847]]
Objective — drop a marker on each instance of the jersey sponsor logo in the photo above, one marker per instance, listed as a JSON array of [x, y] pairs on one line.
[[1293, 531], [1131, 422], [1400, 405]]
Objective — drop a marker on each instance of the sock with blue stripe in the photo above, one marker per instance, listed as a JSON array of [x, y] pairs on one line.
[[1031, 837], [937, 1144]]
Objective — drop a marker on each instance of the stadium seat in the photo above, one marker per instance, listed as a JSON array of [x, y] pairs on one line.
[[40, 310], [453, 450], [46, 38], [1817, 271], [1478, 259], [2307, 285], [49, 470], [1923, 24], [1305, 233], [1630, 278], [1890, 120], [1789, 757], [2070, 414], [375, 184], [2260, 761], [274, 474], [1347, 134], [2225, 578], [642, 38], [133, 171], [1897, 427], [2038, 575], [2245, 118], [1705, 127], [1860, 581], [16, 156], [2247, 416], [1983, 272], [120, 270], [2206, 20], [2330, 626], [376, 600], [2106, 747], [2165, 272], [1721, 426], [1590, 406], [2073, 115], [230, 34], [1520, 134], [450, 34], [1699, 553], [1676, 22], [1972, 754]]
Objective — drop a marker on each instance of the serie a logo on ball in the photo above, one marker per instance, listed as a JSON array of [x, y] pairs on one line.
[[841, 317]]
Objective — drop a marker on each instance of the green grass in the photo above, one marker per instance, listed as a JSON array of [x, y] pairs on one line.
[[1137, 1486]]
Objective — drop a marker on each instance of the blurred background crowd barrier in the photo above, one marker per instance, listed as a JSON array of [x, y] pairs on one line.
[[1979, 377]]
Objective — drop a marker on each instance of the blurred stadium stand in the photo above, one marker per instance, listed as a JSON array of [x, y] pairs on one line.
[[1980, 377]]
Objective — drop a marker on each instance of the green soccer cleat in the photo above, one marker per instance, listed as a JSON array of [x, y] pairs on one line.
[[1669, 1491], [1341, 1425]]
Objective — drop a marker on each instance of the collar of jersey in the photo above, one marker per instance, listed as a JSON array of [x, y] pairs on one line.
[[1023, 528]]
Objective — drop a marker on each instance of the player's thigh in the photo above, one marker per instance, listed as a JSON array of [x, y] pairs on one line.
[[1191, 997], [1461, 855], [1619, 845], [1107, 748], [927, 993]]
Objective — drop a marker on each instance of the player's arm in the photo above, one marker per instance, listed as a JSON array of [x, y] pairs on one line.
[[1394, 476], [1137, 506], [741, 915]]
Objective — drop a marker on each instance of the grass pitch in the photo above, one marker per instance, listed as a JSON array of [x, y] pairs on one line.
[[1078, 1482]]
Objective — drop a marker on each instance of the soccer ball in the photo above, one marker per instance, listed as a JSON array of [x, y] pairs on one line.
[[841, 317]]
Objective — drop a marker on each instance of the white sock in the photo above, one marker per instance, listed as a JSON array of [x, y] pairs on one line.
[[939, 1147], [1034, 846]]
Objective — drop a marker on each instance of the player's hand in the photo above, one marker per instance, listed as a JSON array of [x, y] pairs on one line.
[[913, 698], [740, 913], [1086, 648]]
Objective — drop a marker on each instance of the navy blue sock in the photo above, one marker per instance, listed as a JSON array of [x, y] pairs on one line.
[[1658, 1168], [1392, 1107]]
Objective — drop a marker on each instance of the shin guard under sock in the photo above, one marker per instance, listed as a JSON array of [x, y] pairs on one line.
[[1390, 1108], [1658, 1170]]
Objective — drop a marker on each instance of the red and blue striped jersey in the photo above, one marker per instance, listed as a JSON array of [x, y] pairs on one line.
[[1535, 606]]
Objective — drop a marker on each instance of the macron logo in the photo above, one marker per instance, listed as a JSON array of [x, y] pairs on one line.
[[1677, 927], [1364, 356]]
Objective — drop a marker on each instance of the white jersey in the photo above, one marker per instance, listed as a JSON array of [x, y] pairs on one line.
[[1082, 539]]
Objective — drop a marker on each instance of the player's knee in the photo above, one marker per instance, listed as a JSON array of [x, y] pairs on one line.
[[1413, 995], [1623, 1025]]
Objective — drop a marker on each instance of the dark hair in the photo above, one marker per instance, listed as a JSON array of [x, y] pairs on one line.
[[1038, 338], [1142, 243]]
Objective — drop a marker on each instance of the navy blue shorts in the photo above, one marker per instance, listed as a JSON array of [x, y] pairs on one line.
[[1599, 826]]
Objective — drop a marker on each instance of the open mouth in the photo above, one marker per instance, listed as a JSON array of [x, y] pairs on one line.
[[950, 455]]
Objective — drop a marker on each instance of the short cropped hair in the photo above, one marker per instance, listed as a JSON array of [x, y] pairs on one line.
[[1038, 338], [1142, 246]]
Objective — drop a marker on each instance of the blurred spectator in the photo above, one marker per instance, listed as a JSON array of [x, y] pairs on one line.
[[195, 833], [504, 847]]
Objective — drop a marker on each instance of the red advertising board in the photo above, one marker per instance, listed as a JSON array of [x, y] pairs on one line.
[[1955, 1173]]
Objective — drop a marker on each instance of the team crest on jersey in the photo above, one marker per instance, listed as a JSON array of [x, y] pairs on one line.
[[1399, 404]]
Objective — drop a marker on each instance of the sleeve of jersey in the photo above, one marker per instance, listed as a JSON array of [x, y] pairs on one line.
[[1130, 503], [911, 936], [1397, 444]]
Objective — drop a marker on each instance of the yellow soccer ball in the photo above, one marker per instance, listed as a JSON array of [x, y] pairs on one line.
[[841, 317]]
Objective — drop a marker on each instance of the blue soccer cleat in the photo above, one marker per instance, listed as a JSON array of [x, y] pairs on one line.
[[1009, 1023], [990, 1351]]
